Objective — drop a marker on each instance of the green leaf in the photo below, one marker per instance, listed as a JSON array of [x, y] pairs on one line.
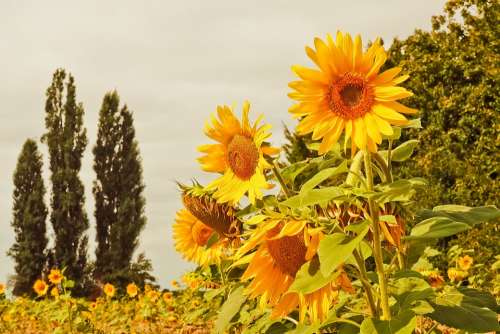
[[464, 311], [314, 197], [396, 133], [398, 191], [306, 329], [408, 290], [291, 172], [366, 251], [212, 240], [309, 278], [323, 175], [437, 227], [230, 308], [404, 323], [404, 151], [414, 123], [334, 249], [463, 214]]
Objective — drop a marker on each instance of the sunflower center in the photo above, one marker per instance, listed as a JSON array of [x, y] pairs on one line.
[[289, 253], [350, 96], [242, 156], [201, 233]]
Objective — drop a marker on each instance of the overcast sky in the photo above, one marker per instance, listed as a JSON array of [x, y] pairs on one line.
[[172, 62]]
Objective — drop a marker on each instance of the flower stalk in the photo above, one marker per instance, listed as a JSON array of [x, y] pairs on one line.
[[377, 246]]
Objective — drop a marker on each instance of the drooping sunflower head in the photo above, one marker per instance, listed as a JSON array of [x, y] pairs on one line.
[[239, 155], [132, 290], [40, 287], [55, 276], [109, 290], [218, 216], [191, 237], [283, 246], [347, 92]]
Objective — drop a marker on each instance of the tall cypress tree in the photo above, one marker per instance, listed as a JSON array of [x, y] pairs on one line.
[[66, 139], [118, 191], [29, 215]]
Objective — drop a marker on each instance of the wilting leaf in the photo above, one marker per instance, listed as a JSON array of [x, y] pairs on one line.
[[334, 249], [230, 308]]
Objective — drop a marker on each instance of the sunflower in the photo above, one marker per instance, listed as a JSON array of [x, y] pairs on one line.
[[348, 92], [109, 290], [167, 297], [54, 292], [132, 290], [55, 276], [40, 287], [465, 262], [219, 216], [191, 237], [239, 155], [283, 246]]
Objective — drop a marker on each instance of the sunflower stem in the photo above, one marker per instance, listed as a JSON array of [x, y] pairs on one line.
[[366, 284], [280, 180], [377, 246], [389, 159]]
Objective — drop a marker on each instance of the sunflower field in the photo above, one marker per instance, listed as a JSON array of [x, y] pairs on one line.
[[333, 242]]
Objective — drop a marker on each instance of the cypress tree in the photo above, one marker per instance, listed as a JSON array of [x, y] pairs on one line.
[[66, 139], [29, 215], [118, 191]]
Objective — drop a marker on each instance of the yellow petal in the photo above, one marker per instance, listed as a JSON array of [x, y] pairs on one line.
[[399, 107], [372, 128], [386, 76], [357, 55], [389, 114], [359, 130], [384, 126], [310, 74], [391, 93]]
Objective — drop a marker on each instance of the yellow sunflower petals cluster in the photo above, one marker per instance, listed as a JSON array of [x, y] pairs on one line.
[[191, 237], [283, 246], [348, 93], [239, 155]]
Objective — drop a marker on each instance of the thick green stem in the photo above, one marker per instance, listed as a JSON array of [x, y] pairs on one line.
[[366, 283], [280, 180], [377, 246]]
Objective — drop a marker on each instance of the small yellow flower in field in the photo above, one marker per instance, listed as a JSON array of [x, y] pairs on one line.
[[40, 287], [153, 295], [465, 262], [175, 284], [2, 288], [93, 305], [171, 318], [7, 317], [132, 290], [109, 290], [54, 292], [456, 275], [167, 297], [147, 288], [55, 276]]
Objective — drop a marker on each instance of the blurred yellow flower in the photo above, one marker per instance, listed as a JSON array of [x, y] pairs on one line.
[[465, 262], [132, 290], [54, 292], [109, 290], [348, 92], [153, 295], [175, 284], [435, 279], [2, 288], [40, 287], [167, 297], [456, 275], [239, 155], [55, 276]]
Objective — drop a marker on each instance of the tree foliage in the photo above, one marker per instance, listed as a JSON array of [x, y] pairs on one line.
[[454, 76], [29, 216], [66, 139], [118, 191]]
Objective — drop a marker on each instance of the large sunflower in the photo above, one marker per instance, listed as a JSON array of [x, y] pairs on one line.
[[283, 246], [239, 155], [191, 237], [348, 92]]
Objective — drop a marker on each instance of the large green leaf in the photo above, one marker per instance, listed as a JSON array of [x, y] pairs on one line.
[[398, 191], [464, 310], [404, 151], [336, 248], [230, 308], [409, 290], [403, 323], [463, 214], [314, 197], [322, 176], [437, 227], [309, 278]]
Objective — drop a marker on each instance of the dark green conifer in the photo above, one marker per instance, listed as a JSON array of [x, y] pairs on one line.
[[29, 215]]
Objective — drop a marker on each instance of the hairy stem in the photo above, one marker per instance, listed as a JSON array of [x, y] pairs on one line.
[[365, 282], [377, 246]]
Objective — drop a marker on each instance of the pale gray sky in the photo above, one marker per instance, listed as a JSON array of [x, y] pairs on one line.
[[172, 62]]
